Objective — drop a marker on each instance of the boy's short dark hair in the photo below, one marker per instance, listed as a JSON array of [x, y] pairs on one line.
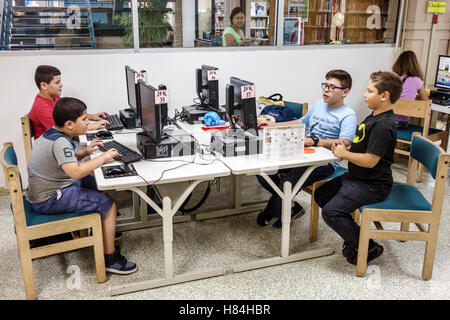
[[388, 81], [342, 75], [68, 109], [45, 74]]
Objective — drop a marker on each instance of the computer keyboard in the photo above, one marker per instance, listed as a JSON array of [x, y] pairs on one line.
[[127, 155], [442, 102], [115, 122]]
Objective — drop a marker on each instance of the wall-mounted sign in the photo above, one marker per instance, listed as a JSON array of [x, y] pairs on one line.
[[436, 6]]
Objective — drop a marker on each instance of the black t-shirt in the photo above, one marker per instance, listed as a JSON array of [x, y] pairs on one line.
[[376, 135]]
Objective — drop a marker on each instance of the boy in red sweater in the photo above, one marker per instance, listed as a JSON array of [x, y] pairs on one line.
[[48, 81]]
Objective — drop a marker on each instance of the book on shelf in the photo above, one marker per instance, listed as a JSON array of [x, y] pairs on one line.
[[293, 31], [298, 8], [258, 8]]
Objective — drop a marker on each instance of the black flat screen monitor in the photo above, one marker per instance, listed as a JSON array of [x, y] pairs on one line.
[[244, 110], [151, 121], [207, 89], [132, 89], [443, 73]]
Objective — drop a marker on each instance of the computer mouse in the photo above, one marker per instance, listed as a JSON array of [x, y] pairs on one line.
[[103, 134], [115, 170]]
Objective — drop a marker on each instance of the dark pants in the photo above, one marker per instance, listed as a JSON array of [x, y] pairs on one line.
[[291, 175], [339, 197]]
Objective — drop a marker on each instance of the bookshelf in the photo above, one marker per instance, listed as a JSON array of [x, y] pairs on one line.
[[219, 16], [359, 26], [259, 22]]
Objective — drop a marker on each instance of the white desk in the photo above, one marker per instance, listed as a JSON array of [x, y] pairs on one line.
[[177, 184], [256, 165], [150, 173]]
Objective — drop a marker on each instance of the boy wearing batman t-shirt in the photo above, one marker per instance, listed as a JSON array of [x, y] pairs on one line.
[[369, 178]]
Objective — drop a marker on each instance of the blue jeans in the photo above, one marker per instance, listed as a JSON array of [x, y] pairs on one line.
[[82, 196], [339, 197], [291, 175]]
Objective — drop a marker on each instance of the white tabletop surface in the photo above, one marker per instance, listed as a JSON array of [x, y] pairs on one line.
[[440, 108], [253, 164], [203, 167]]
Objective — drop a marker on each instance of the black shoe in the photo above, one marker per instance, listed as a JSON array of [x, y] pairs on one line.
[[351, 254], [296, 212], [117, 263], [118, 235], [264, 218]]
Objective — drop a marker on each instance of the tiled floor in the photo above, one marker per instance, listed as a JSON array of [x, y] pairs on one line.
[[224, 242]]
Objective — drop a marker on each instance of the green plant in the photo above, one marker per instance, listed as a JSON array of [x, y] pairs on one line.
[[152, 21]]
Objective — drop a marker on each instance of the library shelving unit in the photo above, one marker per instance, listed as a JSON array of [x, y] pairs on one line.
[[320, 29], [219, 16], [259, 23]]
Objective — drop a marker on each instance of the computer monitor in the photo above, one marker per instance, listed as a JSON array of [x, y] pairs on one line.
[[241, 111], [132, 77], [207, 85], [443, 73], [151, 119]]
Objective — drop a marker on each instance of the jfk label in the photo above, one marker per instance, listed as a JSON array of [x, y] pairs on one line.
[[248, 92], [140, 76], [213, 75], [161, 96]]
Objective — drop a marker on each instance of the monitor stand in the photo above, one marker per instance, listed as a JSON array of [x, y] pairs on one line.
[[196, 113], [129, 118]]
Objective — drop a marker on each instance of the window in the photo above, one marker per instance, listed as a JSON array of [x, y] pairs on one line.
[[103, 24], [68, 24], [309, 22]]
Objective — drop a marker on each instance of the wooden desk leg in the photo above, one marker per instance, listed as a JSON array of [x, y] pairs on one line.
[[286, 218]]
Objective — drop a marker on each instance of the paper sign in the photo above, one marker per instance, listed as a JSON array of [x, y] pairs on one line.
[[140, 76], [436, 6], [248, 92], [283, 142], [162, 96], [213, 75]]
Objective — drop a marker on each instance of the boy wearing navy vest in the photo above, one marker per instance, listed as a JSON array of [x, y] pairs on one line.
[[59, 182]]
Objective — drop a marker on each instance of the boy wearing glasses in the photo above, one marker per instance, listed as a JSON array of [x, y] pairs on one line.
[[328, 121]]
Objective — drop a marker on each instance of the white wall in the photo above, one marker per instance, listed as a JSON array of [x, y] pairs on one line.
[[98, 78]]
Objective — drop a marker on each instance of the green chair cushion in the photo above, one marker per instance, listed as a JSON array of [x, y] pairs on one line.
[[34, 218], [402, 197], [406, 134]]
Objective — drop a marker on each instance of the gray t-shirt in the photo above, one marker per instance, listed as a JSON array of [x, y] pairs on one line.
[[45, 175]]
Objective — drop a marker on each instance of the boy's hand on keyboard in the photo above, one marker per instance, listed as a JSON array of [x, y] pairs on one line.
[[93, 146], [99, 124], [98, 116], [110, 154]]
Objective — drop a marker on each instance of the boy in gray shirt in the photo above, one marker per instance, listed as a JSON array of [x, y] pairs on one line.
[[59, 182]]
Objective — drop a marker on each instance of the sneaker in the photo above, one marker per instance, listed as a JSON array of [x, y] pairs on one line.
[[117, 263], [296, 212], [118, 235], [264, 218], [351, 254]]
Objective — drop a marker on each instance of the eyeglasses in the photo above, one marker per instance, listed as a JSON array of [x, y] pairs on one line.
[[330, 87]]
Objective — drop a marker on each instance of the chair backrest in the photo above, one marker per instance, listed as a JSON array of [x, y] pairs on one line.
[[417, 109], [13, 181], [426, 152], [27, 133], [434, 158], [299, 109]]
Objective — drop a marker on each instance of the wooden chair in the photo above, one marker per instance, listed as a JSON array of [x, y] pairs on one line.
[[407, 205], [27, 134], [314, 217], [418, 109], [30, 225], [299, 109]]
